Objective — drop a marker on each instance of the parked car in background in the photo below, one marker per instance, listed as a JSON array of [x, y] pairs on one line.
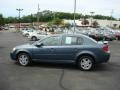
[[1, 29], [6, 28], [27, 32], [97, 37], [63, 48], [37, 35], [117, 36], [109, 37]]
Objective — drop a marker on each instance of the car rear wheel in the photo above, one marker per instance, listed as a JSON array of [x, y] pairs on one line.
[[24, 59], [34, 38], [86, 63]]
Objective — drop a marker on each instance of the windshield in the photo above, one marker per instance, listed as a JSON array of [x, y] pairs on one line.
[[42, 38]]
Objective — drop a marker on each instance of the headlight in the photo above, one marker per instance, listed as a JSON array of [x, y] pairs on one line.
[[14, 49]]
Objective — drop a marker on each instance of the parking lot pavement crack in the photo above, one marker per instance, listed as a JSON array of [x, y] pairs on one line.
[[61, 80]]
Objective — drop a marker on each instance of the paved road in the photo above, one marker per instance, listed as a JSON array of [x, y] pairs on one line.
[[46, 76]]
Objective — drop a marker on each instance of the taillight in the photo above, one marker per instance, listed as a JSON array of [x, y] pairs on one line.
[[106, 48]]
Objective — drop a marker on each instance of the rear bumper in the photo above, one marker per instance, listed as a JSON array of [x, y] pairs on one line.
[[107, 58], [104, 59]]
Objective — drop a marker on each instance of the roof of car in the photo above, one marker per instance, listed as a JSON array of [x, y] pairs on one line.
[[74, 34], [69, 35]]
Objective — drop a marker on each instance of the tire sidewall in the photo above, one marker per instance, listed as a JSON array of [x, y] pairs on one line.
[[29, 60], [79, 63], [34, 38]]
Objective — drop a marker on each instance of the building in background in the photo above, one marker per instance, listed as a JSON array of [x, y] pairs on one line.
[[103, 23]]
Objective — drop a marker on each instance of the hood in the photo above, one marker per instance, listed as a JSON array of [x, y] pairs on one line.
[[25, 46]]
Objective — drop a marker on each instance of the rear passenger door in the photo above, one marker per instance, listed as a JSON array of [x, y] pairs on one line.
[[70, 46]]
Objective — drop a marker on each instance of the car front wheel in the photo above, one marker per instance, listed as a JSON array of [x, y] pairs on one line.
[[23, 59], [34, 38], [86, 63]]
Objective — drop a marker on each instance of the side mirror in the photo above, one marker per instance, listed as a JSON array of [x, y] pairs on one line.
[[39, 44]]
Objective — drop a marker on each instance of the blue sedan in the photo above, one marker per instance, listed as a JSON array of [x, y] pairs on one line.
[[64, 48]]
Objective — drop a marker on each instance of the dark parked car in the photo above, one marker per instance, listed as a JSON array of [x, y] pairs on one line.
[[109, 37], [117, 36], [97, 37], [79, 49], [1, 28]]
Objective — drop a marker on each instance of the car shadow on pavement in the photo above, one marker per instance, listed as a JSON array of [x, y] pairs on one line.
[[55, 65], [98, 67]]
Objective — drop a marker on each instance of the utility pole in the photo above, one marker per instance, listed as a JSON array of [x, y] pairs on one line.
[[92, 17], [19, 12], [111, 17], [32, 20], [74, 14], [38, 16]]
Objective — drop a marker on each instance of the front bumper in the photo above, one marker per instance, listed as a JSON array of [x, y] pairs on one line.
[[29, 37], [12, 56]]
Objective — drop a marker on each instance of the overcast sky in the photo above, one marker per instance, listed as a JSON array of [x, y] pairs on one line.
[[104, 7]]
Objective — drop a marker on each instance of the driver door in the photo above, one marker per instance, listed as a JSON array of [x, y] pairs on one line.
[[48, 50]]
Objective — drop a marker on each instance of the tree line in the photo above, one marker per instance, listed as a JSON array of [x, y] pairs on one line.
[[48, 16]]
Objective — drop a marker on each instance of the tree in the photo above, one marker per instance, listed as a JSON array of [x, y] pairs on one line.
[[50, 24], [66, 25], [85, 22], [48, 16], [57, 21], [103, 17], [1, 20], [95, 24], [10, 20]]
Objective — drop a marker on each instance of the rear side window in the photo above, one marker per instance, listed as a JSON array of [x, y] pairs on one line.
[[72, 40], [79, 41]]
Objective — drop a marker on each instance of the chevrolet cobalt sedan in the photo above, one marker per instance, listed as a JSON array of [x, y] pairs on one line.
[[64, 48]]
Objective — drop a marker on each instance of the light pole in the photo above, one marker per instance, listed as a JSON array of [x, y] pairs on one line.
[[19, 12], [38, 16], [74, 14], [32, 20], [111, 17], [91, 16]]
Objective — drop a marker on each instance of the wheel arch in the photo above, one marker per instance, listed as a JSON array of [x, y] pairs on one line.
[[28, 53], [34, 36], [90, 54]]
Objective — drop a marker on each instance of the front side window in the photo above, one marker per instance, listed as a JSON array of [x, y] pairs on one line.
[[52, 41]]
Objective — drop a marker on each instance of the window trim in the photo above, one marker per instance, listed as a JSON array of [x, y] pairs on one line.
[[63, 39]]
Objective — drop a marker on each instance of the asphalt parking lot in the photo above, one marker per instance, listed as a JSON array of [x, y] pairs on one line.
[[47, 76]]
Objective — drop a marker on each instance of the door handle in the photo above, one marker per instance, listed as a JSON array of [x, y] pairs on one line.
[[76, 49], [52, 49]]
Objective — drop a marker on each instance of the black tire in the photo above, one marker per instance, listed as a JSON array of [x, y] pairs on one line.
[[90, 62], [24, 62], [34, 38], [111, 39], [26, 35]]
